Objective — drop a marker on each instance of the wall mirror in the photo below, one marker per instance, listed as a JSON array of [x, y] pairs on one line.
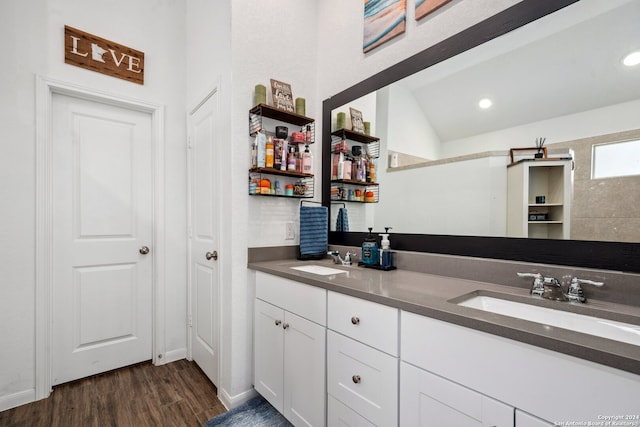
[[552, 71]]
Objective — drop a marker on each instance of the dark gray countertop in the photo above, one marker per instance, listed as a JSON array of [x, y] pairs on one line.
[[436, 297]]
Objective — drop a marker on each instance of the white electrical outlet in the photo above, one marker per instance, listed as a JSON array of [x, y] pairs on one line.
[[289, 231]]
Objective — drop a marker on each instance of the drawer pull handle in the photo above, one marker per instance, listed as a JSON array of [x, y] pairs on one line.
[[278, 322], [285, 326], [356, 379], [355, 320]]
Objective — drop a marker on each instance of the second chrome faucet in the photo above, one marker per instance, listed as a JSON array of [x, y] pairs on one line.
[[551, 288], [337, 259]]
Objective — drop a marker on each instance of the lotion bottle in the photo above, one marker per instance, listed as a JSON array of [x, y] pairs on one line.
[[386, 259], [307, 161]]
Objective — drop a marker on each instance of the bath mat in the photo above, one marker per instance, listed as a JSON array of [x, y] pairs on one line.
[[256, 412]]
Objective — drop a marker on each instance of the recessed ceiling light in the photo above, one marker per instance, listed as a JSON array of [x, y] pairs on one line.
[[485, 103], [632, 59]]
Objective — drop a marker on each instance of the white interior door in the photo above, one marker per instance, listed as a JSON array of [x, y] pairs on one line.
[[102, 238], [203, 237]]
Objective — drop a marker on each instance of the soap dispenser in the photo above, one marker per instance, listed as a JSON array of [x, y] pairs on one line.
[[370, 249], [386, 258]]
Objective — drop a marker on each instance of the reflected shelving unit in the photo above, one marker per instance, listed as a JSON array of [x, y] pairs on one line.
[[350, 189], [527, 215]]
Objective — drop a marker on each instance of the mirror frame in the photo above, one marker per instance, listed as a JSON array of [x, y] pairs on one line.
[[616, 256]]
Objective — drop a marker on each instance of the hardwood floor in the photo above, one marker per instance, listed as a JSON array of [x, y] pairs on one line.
[[175, 394]]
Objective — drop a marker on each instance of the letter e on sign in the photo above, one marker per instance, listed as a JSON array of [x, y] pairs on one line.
[[102, 56]]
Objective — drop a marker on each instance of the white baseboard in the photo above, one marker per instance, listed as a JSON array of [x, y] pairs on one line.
[[16, 399], [231, 402], [173, 356]]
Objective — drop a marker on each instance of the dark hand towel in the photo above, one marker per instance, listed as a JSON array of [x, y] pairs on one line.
[[314, 239], [342, 222]]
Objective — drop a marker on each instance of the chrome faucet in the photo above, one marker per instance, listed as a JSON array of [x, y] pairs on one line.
[[545, 287], [537, 287], [551, 288], [575, 292], [337, 259]]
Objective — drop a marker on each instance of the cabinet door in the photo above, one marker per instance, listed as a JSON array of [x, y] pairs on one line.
[[526, 420], [268, 352], [429, 400], [304, 371]]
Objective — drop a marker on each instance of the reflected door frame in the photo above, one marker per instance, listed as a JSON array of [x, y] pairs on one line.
[[45, 89]]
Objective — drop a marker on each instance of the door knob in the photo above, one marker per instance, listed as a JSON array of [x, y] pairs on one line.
[[212, 255], [144, 250]]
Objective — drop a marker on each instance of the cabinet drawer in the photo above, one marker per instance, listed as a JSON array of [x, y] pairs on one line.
[[363, 378], [304, 300], [340, 414], [365, 321]]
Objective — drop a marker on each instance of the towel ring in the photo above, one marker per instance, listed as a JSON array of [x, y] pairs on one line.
[[309, 201], [344, 205]]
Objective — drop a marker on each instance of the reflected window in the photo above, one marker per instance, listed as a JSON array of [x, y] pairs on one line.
[[616, 159]]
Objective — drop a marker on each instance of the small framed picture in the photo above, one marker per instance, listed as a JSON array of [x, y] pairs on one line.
[[282, 96], [357, 125]]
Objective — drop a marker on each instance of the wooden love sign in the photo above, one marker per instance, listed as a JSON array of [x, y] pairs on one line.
[[103, 56]]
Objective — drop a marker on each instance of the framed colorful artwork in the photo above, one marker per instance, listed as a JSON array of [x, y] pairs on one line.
[[383, 20], [425, 7]]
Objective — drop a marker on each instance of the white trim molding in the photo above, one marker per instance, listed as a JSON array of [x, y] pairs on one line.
[[45, 89]]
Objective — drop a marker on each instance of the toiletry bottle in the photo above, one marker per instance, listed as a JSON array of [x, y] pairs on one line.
[[307, 161], [372, 171], [283, 161], [341, 167], [254, 154], [347, 168], [269, 153], [370, 249], [367, 171], [291, 162], [277, 153], [386, 259], [298, 159], [308, 135], [261, 140]]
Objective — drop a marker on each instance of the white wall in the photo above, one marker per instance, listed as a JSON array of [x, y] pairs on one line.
[[236, 45], [461, 198], [601, 121], [408, 130], [34, 33]]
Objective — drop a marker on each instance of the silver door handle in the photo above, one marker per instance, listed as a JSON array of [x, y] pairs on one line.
[[144, 250], [212, 255]]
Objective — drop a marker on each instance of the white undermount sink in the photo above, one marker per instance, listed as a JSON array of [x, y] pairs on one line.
[[611, 329], [318, 269]]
